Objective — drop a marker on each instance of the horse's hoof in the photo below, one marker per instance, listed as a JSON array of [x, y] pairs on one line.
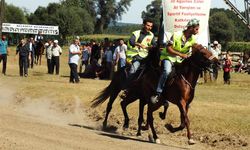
[[138, 134], [158, 141], [150, 138], [104, 125], [144, 128], [162, 116], [170, 128], [191, 142], [125, 126]]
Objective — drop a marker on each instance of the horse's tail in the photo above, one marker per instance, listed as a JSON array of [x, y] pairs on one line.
[[102, 97], [106, 93]]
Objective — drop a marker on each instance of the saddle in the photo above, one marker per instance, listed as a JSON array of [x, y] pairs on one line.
[[132, 77]]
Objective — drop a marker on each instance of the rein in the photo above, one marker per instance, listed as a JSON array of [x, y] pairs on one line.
[[196, 67], [188, 83]]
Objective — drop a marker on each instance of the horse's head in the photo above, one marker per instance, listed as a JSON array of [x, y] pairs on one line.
[[202, 57]]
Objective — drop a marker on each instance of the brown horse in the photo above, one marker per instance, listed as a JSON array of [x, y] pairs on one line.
[[179, 91], [39, 50]]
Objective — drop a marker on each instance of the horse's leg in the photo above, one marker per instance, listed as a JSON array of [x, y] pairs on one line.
[[182, 125], [140, 119], [164, 113], [37, 58], [109, 106], [40, 59], [183, 107], [187, 123], [150, 120], [124, 103]]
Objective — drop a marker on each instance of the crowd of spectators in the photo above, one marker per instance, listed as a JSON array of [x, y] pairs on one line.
[[96, 59], [100, 60]]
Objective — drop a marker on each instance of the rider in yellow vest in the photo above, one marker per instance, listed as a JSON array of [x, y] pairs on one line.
[[139, 44], [177, 49]]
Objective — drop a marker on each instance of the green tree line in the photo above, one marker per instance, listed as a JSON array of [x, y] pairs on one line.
[[74, 17]]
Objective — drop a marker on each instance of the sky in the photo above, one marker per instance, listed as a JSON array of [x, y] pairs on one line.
[[132, 16]]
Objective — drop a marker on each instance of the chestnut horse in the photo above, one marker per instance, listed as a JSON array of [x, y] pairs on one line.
[[180, 90], [39, 50]]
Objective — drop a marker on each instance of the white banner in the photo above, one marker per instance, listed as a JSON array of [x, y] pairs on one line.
[[30, 29], [177, 13]]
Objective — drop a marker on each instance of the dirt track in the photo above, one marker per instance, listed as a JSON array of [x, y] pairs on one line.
[[37, 126], [27, 124]]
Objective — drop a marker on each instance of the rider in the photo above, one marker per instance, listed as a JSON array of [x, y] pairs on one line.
[[39, 37], [177, 49], [138, 46]]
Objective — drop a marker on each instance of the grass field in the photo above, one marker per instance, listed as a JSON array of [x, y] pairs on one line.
[[217, 109]]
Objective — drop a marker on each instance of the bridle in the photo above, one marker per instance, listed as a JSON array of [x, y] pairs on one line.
[[193, 64]]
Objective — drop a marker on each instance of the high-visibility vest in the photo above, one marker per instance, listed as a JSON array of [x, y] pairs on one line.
[[133, 51], [177, 39]]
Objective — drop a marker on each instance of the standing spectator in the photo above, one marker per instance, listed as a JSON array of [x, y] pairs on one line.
[[85, 57], [55, 60], [216, 50], [227, 68], [48, 47], [32, 52], [24, 55], [120, 54], [108, 59], [74, 52], [95, 52], [3, 53], [106, 45]]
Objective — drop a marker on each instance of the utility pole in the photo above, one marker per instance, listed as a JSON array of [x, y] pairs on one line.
[[1, 16], [245, 18]]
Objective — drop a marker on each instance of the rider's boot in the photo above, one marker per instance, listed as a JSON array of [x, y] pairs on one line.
[[156, 98]]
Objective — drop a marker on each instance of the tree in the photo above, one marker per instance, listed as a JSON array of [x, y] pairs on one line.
[[68, 15], [242, 32], [108, 11], [40, 16], [14, 14], [88, 5], [71, 21], [221, 28], [153, 12]]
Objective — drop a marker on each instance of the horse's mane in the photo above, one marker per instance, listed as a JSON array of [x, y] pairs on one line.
[[183, 68], [153, 58]]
